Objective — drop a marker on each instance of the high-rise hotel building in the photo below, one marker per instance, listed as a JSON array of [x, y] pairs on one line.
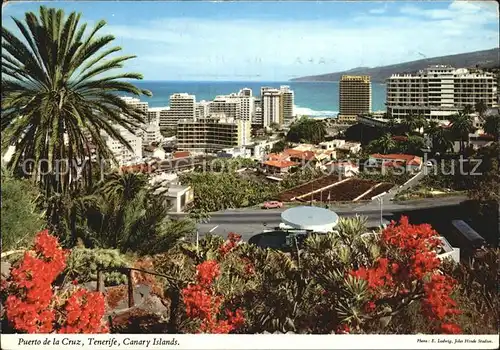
[[247, 104], [181, 106], [212, 134], [286, 104], [122, 154], [149, 132], [276, 106], [438, 92], [228, 105], [355, 96], [136, 103], [271, 109]]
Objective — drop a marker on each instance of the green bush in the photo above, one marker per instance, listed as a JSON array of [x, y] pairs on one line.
[[83, 264], [21, 218]]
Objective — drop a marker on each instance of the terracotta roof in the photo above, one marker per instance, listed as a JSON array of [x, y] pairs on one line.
[[415, 161], [181, 154], [306, 155], [293, 152], [398, 158], [394, 156], [275, 156], [280, 163]]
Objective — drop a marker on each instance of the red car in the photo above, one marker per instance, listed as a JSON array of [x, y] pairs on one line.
[[272, 205]]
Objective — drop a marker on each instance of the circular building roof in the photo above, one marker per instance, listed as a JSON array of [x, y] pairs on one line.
[[310, 218]]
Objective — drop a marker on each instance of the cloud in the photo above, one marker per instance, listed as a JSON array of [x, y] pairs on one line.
[[279, 48], [379, 10], [176, 48]]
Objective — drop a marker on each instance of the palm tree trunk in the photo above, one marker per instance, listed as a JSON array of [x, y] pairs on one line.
[[174, 308]]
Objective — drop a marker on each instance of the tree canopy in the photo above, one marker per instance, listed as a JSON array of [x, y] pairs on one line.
[[307, 130], [60, 89]]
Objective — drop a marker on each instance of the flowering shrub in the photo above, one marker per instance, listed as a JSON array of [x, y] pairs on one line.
[[204, 304], [83, 312], [411, 270], [232, 241], [33, 307]]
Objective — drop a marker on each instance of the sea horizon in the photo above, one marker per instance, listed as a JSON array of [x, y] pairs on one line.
[[315, 99]]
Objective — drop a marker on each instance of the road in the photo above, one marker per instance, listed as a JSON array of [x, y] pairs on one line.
[[248, 222]]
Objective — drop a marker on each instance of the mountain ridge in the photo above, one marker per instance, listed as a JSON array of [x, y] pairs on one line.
[[482, 59]]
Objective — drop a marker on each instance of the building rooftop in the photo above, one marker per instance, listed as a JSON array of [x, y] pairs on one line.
[[410, 159], [181, 154], [280, 163], [310, 218]]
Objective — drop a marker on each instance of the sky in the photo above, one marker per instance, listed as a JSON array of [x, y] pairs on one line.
[[277, 41]]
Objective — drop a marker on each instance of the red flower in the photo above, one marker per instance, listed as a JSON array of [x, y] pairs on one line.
[[207, 272], [450, 328], [413, 264], [203, 303], [33, 306], [233, 240], [343, 329], [370, 306]]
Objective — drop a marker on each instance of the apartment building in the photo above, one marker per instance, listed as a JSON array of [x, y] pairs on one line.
[[286, 104], [247, 92], [238, 106], [228, 105], [439, 91], [181, 106], [355, 96], [122, 154], [137, 103], [151, 134], [212, 134], [257, 115], [271, 107], [202, 109], [247, 104], [153, 115]]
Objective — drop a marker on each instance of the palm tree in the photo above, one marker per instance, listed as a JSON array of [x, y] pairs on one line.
[[461, 127], [480, 107], [492, 125], [385, 143], [413, 122], [59, 92], [440, 137], [414, 144], [123, 187]]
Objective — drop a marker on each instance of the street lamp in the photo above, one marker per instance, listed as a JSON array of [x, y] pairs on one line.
[[380, 199]]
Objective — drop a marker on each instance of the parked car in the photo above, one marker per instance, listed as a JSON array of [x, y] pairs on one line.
[[272, 205]]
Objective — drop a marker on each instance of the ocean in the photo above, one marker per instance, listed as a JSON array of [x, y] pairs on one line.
[[312, 99]]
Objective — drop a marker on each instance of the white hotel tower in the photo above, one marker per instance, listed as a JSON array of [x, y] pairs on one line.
[[438, 92]]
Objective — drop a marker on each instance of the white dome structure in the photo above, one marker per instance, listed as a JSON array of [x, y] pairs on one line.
[[308, 218]]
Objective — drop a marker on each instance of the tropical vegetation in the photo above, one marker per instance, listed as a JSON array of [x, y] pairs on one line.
[[347, 281], [307, 130], [59, 83], [20, 216], [59, 93]]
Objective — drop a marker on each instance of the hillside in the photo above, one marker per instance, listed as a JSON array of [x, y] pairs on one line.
[[483, 59]]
